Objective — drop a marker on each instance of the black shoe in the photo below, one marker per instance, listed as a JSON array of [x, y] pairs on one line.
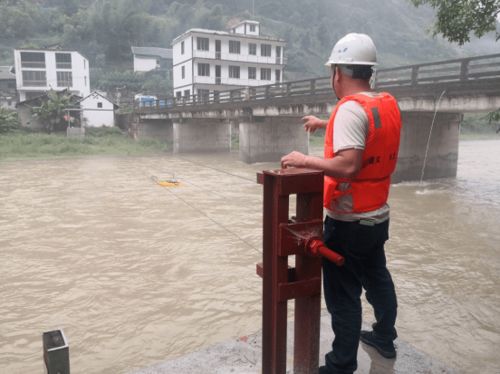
[[384, 347], [325, 370]]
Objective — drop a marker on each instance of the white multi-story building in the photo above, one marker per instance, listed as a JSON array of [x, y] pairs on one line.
[[151, 58], [206, 61], [38, 71]]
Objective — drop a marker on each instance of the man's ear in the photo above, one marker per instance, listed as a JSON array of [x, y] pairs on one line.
[[337, 73]]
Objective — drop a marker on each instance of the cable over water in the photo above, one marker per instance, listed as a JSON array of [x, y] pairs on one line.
[[210, 218], [430, 134]]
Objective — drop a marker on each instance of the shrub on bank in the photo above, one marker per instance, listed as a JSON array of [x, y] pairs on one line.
[[102, 131], [99, 142], [8, 121]]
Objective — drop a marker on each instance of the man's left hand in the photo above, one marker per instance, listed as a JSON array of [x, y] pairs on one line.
[[295, 159]]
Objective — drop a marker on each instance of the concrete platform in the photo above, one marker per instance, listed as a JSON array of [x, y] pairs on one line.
[[243, 356]]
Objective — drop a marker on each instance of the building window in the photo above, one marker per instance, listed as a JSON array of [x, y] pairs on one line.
[[178, 95], [252, 28], [278, 75], [187, 93], [34, 78], [33, 60], [252, 49], [265, 50], [64, 79], [202, 44], [204, 70], [265, 74], [234, 46], [234, 71], [252, 73], [99, 104], [63, 60], [85, 80], [182, 48], [183, 72]]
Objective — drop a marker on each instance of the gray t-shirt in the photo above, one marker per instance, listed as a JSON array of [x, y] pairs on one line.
[[351, 130]]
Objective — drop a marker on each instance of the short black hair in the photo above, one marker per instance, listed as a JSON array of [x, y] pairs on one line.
[[363, 72]]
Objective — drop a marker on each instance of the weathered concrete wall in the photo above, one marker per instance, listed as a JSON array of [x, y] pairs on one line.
[[270, 138], [158, 129], [202, 135], [27, 119], [443, 146], [75, 132]]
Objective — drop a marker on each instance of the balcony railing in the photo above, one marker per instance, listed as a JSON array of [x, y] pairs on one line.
[[35, 83], [64, 83], [63, 65], [33, 64]]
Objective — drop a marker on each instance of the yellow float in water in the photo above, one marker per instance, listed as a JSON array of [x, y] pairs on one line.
[[171, 182]]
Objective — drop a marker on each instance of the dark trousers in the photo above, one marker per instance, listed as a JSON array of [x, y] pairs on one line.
[[365, 267]]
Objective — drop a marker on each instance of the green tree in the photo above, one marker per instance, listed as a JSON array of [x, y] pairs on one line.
[[16, 21], [8, 121], [455, 20], [52, 111]]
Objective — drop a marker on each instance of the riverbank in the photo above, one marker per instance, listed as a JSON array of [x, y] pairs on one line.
[[244, 356], [112, 142], [102, 142], [317, 140], [479, 136]]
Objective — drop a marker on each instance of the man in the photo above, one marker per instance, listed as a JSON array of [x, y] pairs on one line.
[[361, 148]]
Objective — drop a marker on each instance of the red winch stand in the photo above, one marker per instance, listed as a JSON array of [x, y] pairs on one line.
[[283, 237]]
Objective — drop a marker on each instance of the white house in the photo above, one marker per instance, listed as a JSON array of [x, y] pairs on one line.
[[38, 71], [8, 94], [208, 61], [97, 111], [151, 58]]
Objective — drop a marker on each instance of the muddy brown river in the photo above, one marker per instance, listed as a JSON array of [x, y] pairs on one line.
[[135, 273]]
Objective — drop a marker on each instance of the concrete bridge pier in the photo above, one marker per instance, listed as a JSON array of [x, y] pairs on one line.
[[267, 139], [442, 155], [201, 135], [161, 129]]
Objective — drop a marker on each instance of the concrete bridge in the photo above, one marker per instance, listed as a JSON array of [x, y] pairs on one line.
[[267, 118]]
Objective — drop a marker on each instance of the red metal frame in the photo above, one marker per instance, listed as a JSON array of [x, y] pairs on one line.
[[283, 237]]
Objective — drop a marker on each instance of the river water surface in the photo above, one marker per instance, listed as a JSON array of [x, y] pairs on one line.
[[135, 273]]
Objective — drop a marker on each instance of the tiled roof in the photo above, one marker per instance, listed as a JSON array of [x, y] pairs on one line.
[[5, 73], [153, 51]]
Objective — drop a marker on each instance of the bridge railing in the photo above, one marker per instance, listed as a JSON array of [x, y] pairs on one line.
[[457, 70], [314, 86]]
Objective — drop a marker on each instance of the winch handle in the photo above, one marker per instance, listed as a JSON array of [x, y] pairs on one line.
[[316, 247]]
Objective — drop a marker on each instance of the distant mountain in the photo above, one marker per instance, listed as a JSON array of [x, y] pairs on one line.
[[105, 30]]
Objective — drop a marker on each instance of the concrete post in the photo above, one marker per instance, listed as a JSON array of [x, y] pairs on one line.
[[443, 146], [267, 139], [160, 129], [202, 135]]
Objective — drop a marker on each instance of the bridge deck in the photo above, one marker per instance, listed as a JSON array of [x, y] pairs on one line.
[[473, 76]]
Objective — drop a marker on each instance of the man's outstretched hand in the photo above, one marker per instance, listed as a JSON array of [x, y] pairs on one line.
[[294, 159], [312, 123]]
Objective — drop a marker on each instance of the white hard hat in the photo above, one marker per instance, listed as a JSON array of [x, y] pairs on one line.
[[354, 49]]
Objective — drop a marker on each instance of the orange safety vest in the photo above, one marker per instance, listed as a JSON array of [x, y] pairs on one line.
[[369, 189]]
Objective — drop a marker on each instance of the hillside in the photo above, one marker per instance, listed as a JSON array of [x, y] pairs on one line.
[[104, 30]]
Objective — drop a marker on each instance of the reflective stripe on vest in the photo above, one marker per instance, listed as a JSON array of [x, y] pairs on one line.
[[369, 190]]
